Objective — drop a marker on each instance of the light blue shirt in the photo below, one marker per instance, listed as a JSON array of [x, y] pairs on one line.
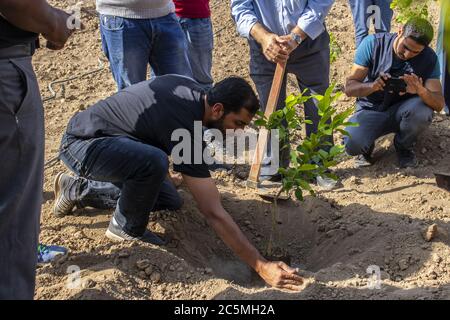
[[281, 16]]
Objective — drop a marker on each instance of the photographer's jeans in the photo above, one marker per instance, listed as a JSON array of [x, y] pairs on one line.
[[408, 119], [120, 173], [200, 39], [132, 44]]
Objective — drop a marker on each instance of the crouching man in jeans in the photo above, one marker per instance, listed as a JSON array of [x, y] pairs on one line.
[[119, 147], [386, 105]]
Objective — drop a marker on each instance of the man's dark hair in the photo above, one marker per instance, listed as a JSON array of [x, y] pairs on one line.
[[234, 93], [420, 30]]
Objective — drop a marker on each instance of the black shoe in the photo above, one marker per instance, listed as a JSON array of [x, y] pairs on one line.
[[407, 159], [116, 233], [63, 206]]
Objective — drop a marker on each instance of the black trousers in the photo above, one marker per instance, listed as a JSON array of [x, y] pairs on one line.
[[21, 177]]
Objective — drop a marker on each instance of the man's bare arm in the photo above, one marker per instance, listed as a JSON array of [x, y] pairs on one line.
[[433, 96], [207, 197], [39, 17], [355, 86]]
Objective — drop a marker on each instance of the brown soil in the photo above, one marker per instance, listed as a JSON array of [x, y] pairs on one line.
[[377, 216]]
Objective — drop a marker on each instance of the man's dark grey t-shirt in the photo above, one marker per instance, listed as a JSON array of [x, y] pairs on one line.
[[149, 112]]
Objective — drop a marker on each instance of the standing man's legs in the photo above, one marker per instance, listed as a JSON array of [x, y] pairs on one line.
[[200, 39], [312, 73], [169, 53], [386, 14], [361, 11], [21, 177], [127, 44]]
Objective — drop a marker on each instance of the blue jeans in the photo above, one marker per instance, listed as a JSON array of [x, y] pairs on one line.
[[408, 119], [200, 39], [360, 17], [120, 173], [132, 44]]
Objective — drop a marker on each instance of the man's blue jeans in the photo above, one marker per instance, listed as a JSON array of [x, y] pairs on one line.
[[120, 173], [360, 16], [407, 119], [132, 44], [200, 39]]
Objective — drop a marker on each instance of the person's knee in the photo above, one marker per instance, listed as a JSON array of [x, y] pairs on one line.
[[156, 164], [420, 115]]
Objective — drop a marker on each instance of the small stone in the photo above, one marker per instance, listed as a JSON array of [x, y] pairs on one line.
[[143, 264], [142, 274], [149, 270], [424, 150], [155, 277], [172, 268], [431, 232], [79, 235], [124, 254], [403, 264]]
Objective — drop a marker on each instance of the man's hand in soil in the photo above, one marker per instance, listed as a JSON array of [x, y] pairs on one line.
[[207, 196], [280, 275]]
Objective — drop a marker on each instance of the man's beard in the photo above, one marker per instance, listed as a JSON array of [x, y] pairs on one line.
[[217, 124]]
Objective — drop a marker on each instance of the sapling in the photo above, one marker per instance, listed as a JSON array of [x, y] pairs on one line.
[[314, 155]]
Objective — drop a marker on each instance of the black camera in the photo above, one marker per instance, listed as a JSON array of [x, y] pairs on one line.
[[395, 84]]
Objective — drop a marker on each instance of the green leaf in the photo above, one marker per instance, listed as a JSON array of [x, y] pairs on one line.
[[307, 167], [299, 194]]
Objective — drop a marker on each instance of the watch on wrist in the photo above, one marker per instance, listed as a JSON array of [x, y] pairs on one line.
[[296, 38]]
